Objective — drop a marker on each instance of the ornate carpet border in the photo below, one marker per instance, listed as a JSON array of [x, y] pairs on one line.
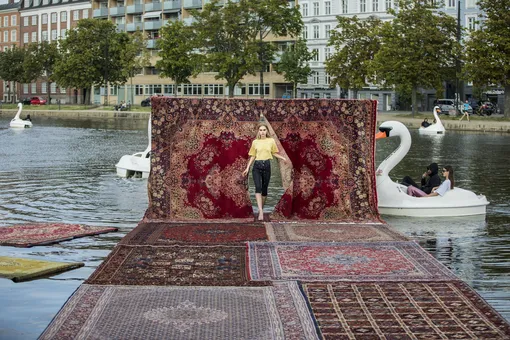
[[275, 312], [301, 261]]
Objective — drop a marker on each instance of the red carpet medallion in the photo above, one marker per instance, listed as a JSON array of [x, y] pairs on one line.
[[403, 310], [385, 261], [29, 235], [120, 312]]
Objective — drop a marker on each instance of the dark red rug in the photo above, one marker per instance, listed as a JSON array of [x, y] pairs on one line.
[[161, 234], [175, 265], [406, 310], [29, 235]]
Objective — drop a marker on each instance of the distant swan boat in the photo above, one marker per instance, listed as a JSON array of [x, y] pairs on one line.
[[137, 164], [17, 122], [434, 129]]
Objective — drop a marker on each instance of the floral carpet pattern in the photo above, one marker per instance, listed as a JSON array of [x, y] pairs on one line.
[[405, 310], [388, 261], [29, 235], [175, 265], [328, 232], [162, 234], [144, 312]]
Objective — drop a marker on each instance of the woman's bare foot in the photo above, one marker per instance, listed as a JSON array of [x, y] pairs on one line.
[[261, 217]]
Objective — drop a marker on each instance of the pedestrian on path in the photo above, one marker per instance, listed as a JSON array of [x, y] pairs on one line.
[[465, 111]]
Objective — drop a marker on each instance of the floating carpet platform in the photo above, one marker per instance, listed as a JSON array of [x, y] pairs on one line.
[[30, 235], [388, 261], [162, 234], [407, 310], [328, 232], [175, 265], [120, 312], [20, 269]]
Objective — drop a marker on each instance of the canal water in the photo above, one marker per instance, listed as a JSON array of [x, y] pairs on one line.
[[64, 171]]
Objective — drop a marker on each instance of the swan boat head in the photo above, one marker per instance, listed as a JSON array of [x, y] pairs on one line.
[[437, 128], [393, 129]]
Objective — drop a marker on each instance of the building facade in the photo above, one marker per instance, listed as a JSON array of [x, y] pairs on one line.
[[9, 36]]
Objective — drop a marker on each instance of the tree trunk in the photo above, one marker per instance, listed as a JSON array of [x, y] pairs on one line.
[[506, 108], [49, 91], [413, 99], [176, 86], [231, 90], [294, 90], [355, 93], [87, 95]]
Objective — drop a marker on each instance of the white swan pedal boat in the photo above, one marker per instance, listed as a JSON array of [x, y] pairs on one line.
[[393, 198], [137, 164], [434, 129], [17, 122]]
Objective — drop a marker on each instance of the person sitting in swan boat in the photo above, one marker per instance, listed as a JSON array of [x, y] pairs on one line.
[[441, 190], [429, 180]]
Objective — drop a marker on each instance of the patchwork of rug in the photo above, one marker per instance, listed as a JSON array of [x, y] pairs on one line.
[[175, 265], [327, 232], [120, 312], [195, 233], [388, 261], [29, 235], [20, 269], [407, 310]]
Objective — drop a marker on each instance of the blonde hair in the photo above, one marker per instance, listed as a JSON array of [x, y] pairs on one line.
[[268, 134]]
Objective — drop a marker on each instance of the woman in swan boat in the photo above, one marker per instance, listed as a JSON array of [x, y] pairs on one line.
[[441, 190]]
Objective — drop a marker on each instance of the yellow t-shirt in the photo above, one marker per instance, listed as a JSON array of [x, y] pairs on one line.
[[263, 149]]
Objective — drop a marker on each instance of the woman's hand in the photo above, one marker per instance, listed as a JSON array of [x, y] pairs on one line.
[[245, 172]]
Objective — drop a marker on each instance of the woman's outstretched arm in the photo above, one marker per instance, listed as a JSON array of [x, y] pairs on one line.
[[245, 172]]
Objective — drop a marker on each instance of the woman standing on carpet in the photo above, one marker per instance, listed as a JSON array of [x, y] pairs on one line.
[[262, 151]]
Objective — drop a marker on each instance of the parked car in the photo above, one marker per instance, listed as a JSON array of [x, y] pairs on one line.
[[146, 102], [25, 101], [37, 101]]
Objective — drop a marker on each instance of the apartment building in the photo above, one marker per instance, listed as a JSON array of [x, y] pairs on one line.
[[9, 36], [48, 20], [149, 16], [319, 17]]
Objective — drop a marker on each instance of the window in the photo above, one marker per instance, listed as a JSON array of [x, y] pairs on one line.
[[305, 32], [362, 6], [344, 6], [44, 19], [63, 33], [327, 79], [76, 15], [53, 88], [34, 20], [25, 38], [304, 10], [327, 31], [157, 89], [6, 36], [13, 36], [315, 52], [63, 16], [168, 89], [13, 20], [53, 18], [44, 88], [63, 90], [192, 89], [471, 23], [34, 36], [53, 34], [316, 31], [138, 90], [34, 87], [315, 8], [451, 3], [470, 3], [6, 21], [114, 90], [388, 4], [6, 48], [25, 88], [25, 21], [213, 89], [327, 7], [45, 2], [375, 5], [44, 36], [327, 53], [315, 78], [85, 14], [254, 89]]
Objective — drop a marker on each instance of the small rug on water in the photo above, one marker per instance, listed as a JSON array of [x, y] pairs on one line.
[[19, 269], [175, 265], [29, 235], [121, 312], [406, 310], [328, 232], [388, 261], [194, 233]]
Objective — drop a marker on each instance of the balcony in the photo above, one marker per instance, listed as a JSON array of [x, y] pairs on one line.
[[100, 12], [117, 11], [121, 27], [134, 26], [172, 6], [138, 8], [192, 4], [220, 2], [152, 25], [151, 43], [153, 6]]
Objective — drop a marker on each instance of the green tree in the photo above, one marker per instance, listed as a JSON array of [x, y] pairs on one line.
[[11, 67], [356, 41], [93, 55], [294, 64], [177, 51], [136, 57], [40, 62], [226, 41], [275, 18], [488, 49], [418, 48]]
